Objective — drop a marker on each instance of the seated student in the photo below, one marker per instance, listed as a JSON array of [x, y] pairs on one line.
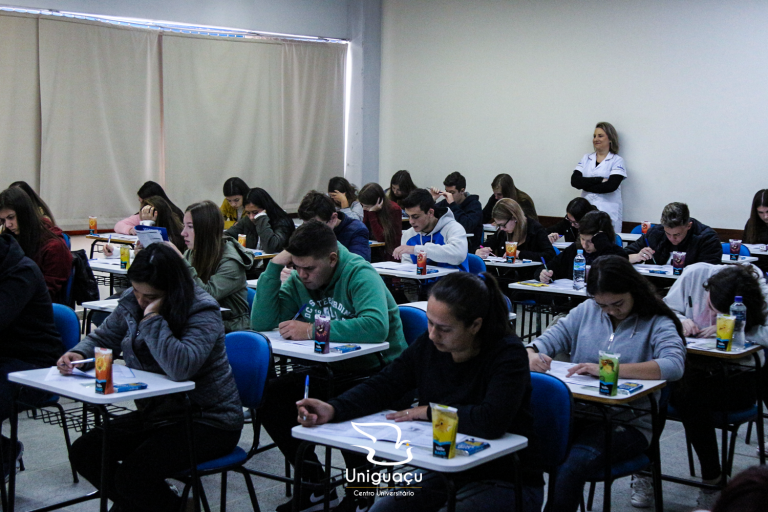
[[701, 292], [148, 189], [466, 208], [42, 206], [233, 207], [166, 325], [344, 196], [267, 227], [328, 280], [504, 186], [155, 211], [568, 228], [218, 264], [30, 338], [383, 218], [433, 230], [350, 233], [400, 187], [756, 228], [39, 239], [747, 492], [678, 231], [513, 226], [596, 238], [623, 316], [468, 359]]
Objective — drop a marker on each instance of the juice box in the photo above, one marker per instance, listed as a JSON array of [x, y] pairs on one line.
[[322, 334], [445, 423], [92, 226], [241, 239], [725, 326], [125, 257], [421, 263], [103, 363], [510, 251], [609, 373]]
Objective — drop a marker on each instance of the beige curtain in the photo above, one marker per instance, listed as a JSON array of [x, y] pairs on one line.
[[19, 101], [101, 131]]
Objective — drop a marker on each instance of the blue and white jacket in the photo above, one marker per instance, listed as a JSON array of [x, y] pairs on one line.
[[446, 244]]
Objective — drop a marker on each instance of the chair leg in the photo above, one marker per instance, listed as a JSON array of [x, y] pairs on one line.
[[251, 492], [67, 440], [749, 432], [690, 456], [223, 497], [204, 499], [732, 449], [288, 475], [591, 497]]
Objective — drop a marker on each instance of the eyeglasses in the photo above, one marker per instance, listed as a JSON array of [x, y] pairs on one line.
[[572, 222], [504, 224]]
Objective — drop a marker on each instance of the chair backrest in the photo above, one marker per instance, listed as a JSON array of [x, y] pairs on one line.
[[476, 264], [744, 251], [557, 251], [251, 296], [68, 289], [414, 322], [67, 241], [619, 241], [639, 229], [67, 324], [552, 406], [250, 356]]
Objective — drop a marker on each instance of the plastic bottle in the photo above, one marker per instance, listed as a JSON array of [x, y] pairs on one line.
[[739, 310], [579, 270]]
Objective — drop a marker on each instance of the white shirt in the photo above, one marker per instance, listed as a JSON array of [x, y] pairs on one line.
[[610, 202]]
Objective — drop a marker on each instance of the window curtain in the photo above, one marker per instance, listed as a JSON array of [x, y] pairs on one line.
[[101, 119], [19, 101]]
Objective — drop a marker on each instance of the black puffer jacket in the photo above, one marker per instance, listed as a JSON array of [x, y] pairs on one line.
[[274, 237], [701, 245], [562, 265], [199, 355]]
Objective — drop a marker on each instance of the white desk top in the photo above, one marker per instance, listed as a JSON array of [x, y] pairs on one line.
[[758, 249], [109, 265], [495, 261], [587, 387], [645, 269], [109, 305], [489, 228], [422, 457], [408, 270], [560, 287], [73, 387], [252, 283], [116, 237], [629, 237], [742, 259], [305, 349], [422, 305]]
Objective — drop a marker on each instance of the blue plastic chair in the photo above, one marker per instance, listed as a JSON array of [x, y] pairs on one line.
[[251, 297], [476, 264], [250, 356], [552, 408], [619, 241], [639, 229], [66, 240], [743, 252], [414, 322]]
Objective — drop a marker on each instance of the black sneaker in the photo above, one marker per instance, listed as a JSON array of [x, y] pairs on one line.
[[352, 504], [310, 502], [17, 463]]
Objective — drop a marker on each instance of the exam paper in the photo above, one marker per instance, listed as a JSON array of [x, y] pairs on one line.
[[120, 374], [559, 369]]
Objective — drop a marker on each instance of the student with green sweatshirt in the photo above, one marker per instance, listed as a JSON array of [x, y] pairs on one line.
[[332, 281]]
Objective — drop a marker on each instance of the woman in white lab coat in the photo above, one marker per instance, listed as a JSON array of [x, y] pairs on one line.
[[599, 175]]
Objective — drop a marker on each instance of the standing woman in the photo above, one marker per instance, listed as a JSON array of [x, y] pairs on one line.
[[400, 186], [756, 229], [344, 195], [36, 199], [39, 239], [383, 218], [267, 227], [599, 175], [164, 324], [233, 207], [512, 225], [218, 264], [568, 228], [148, 189], [504, 186]]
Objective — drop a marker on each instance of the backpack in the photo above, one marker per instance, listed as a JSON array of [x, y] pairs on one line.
[[84, 285]]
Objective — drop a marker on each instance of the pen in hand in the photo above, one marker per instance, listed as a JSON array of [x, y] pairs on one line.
[[545, 263], [306, 392], [649, 246], [301, 310]]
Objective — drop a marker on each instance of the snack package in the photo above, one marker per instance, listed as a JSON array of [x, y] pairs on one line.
[[103, 361], [445, 423], [511, 251], [609, 373], [322, 334], [725, 327], [125, 257]]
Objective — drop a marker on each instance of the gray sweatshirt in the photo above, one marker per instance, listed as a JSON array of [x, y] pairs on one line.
[[586, 331]]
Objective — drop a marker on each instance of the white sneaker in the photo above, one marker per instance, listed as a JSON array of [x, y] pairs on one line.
[[765, 447], [642, 491], [706, 499]]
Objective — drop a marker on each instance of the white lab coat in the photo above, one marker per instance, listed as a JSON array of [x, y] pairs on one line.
[[609, 203]]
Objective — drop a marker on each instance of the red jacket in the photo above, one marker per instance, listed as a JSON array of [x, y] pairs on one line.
[[55, 262], [376, 230]]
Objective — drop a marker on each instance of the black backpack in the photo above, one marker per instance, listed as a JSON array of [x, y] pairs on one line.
[[84, 285]]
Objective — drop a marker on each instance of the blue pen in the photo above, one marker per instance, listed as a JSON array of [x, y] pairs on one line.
[[545, 264], [649, 246], [306, 388], [300, 311]]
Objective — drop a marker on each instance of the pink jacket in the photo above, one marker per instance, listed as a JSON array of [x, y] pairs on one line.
[[124, 226]]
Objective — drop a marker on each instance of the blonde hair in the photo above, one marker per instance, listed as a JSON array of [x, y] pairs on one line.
[[508, 209]]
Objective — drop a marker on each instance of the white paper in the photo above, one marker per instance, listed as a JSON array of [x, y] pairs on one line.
[[120, 374], [148, 237], [559, 369], [710, 345]]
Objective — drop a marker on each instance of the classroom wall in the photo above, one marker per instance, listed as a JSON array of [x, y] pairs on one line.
[[492, 86]]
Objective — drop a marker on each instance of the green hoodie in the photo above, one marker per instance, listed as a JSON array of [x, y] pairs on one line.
[[361, 308], [228, 285]]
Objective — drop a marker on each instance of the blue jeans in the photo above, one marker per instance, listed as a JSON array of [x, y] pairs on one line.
[[471, 496], [586, 458]]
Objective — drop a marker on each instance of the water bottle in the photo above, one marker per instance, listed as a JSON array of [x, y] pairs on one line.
[[738, 310], [579, 270]]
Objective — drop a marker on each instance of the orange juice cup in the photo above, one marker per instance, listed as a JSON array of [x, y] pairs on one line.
[[421, 263], [511, 251], [646, 225], [92, 226], [103, 362], [241, 238]]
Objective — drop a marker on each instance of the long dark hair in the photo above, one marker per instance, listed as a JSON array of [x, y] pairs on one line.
[[209, 243], [614, 274], [260, 198], [235, 187], [369, 195], [470, 296], [404, 182], [752, 231], [594, 222], [160, 267], [579, 207], [735, 280], [343, 186], [167, 219], [506, 184], [151, 188], [23, 185], [33, 232]]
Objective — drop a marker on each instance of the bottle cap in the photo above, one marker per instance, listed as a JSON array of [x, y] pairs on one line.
[[579, 251], [738, 298]]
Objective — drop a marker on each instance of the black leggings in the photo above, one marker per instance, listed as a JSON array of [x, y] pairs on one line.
[[141, 458]]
